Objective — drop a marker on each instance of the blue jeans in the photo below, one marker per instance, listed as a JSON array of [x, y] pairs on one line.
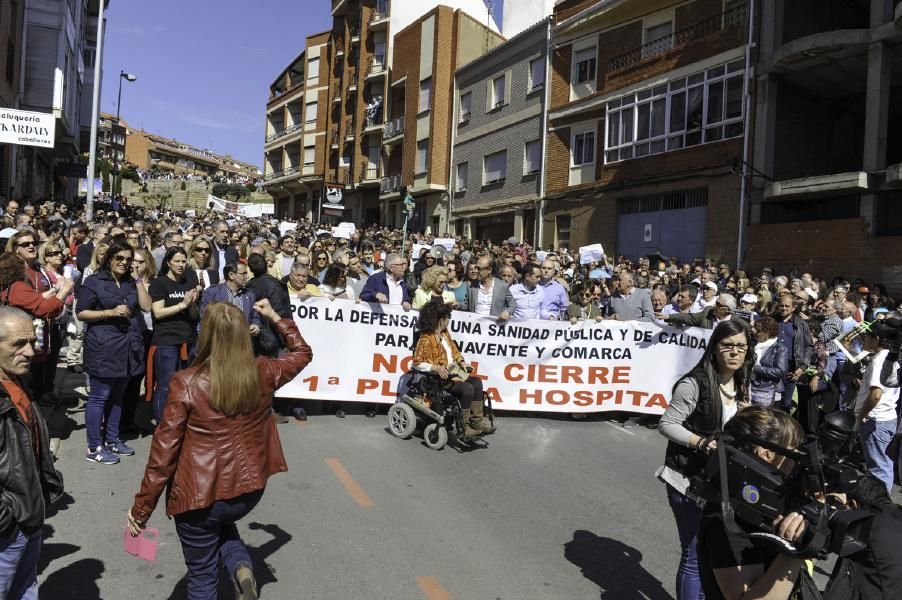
[[103, 409], [166, 361], [19, 566], [208, 536], [688, 516], [875, 437]]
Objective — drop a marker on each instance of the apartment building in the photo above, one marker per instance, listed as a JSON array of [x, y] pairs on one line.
[[338, 87], [499, 138], [12, 14], [827, 181], [646, 129], [57, 41], [150, 151], [111, 134], [295, 148], [421, 105]]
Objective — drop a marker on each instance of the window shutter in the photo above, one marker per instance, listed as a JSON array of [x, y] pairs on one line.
[[507, 87]]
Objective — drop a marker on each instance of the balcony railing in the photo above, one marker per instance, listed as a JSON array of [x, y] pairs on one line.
[[349, 128], [273, 175], [735, 17], [393, 128], [376, 66], [336, 139], [354, 31], [370, 172], [284, 132], [390, 183], [380, 12]]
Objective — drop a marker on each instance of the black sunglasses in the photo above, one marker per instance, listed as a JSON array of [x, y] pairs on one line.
[[25, 245], [53, 253]]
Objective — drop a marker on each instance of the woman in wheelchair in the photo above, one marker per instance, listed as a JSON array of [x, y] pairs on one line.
[[437, 353]]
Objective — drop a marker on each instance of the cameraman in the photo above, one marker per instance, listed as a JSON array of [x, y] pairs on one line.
[[735, 565]]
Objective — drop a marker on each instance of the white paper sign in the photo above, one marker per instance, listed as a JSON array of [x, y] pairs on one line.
[[448, 243], [286, 226], [541, 255], [27, 128], [591, 253], [417, 248]]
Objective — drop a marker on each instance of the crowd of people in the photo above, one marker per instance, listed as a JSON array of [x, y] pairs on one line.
[[170, 317]]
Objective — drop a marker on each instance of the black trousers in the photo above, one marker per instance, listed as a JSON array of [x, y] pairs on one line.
[[468, 391]]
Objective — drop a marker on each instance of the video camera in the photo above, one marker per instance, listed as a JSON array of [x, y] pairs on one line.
[[758, 492]]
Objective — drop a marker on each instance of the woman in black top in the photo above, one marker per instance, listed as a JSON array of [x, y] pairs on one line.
[[733, 564], [174, 293]]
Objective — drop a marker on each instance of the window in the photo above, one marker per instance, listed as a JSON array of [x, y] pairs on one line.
[[463, 172], [584, 148], [537, 74], [494, 168], [705, 107], [533, 161], [585, 65], [466, 101], [425, 94], [422, 154], [309, 155], [562, 231], [313, 69], [345, 161], [498, 92], [311, 112]]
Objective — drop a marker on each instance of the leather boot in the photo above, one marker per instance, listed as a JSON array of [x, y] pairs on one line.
[[468, 431], [476, 421]]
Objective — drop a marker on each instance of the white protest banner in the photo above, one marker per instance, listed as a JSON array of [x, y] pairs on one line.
[[448, 243], [285, 226], [589, 254], [417, 248], [361, 352], [27, 128]]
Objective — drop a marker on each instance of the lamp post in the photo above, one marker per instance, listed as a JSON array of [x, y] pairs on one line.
[[117, 176]]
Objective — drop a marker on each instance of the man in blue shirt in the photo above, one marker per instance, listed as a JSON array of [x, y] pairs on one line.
[[555, 302], [528, 295]]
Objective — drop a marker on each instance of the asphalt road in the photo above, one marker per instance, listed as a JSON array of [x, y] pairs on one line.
[[552, 508]]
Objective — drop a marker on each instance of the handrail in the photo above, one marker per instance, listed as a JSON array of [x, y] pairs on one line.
[[393, 128], [732, 17]]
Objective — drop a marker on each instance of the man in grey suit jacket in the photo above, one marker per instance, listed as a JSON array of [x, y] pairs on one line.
[[495, 295]]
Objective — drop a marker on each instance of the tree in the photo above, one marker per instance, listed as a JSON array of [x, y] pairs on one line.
[[105, 174]]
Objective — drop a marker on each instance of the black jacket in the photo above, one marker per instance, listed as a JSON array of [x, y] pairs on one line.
[[26, 488], [802, 346], [268, 343], [231, 256]]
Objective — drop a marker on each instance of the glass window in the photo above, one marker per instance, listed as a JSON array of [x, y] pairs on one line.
[[533, 160], [585, 65], [678, 112], [313, 69], [584, 148], [536, 73], [422, 154], [311, 112], [463, 173], [495, 167], [425, 94], [309, 155], [734, 98], [466, 100], [498, 92]]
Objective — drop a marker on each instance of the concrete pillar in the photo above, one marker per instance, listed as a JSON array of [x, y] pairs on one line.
[[518, 225], [876, 122], [309, 206], [468, 228], [881, 12], [763, 142]]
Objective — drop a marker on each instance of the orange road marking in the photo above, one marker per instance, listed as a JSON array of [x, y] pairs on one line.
[[351, 486], [432, 588]]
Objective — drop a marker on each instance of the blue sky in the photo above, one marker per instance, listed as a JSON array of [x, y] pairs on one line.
[[204, 66]]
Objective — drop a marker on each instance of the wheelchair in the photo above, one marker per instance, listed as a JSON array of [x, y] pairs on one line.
[[428, 402]]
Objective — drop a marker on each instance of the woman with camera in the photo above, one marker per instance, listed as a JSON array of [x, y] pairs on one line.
[[703, 400], [437, 353], [732, 564]]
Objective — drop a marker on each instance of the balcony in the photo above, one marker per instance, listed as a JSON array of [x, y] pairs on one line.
[[373, 124], [273, 175], [338, 43], [393, 130], [369, 175], [274, 136], [336, 93], [352, 78], [391, 183], [335, 140], [379, 18], [376, 68], [354, 31], [735, 18], [350, 132]]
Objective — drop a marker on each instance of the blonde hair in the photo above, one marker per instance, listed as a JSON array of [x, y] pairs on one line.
[[430, 276], [195, 243], [224, 351], [150, 264], [97, 257], [46, 247]]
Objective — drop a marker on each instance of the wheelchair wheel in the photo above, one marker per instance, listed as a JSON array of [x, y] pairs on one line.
[[435, 436], [401, 420]]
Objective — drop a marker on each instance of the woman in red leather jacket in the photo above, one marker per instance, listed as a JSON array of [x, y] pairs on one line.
[[217, 445]]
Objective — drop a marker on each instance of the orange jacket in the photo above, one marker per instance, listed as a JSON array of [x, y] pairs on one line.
[[429, 350]]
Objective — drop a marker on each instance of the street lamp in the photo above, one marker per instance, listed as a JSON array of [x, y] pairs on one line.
[[117, 175]]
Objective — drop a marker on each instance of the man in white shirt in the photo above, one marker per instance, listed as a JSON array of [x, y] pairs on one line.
[[489, 295], [875, 407], [707, 296], [528, 295]]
